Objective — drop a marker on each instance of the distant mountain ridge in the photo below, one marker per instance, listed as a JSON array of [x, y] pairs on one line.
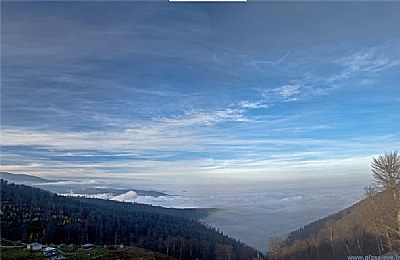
[[14, 177], [53, 186]]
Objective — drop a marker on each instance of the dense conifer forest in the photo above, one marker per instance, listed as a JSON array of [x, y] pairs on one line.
[[31, 214]]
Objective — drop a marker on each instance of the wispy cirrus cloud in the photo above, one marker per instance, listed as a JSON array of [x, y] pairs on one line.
[[252, 104], [360, 67], [368, 61], [260, 64], [202, 118], [288, 92]]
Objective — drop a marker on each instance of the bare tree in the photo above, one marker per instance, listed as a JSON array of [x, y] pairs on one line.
[[376, 221], [386, 174], [386, 171], [275, 245], [331, 228], [315, 242]]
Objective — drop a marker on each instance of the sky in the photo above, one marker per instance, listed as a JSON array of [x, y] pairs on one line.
[[205, 94]]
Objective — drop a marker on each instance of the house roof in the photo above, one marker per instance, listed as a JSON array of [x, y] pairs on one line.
[[49, 249], [35, 244]]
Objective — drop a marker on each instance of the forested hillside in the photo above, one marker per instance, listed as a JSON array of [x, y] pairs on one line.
[[31, 214], [370, 227], [357, 230]]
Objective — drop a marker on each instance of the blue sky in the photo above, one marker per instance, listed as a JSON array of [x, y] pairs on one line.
[[187, 93]]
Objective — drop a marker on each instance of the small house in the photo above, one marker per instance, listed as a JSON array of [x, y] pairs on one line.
[[34, 246], [87, 246], [58, 257], [49, 251]]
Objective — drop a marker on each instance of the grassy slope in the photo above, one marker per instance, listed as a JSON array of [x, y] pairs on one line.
[[105, 253]]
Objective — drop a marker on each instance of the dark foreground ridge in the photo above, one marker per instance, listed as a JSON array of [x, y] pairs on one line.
[[33, 215]]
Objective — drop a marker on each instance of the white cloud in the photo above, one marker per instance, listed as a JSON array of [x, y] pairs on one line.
[[370, 61], [200, 118], [362, 63], [128, 196], [149, 146], [252, 105], [75, 183], [288, 92]]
